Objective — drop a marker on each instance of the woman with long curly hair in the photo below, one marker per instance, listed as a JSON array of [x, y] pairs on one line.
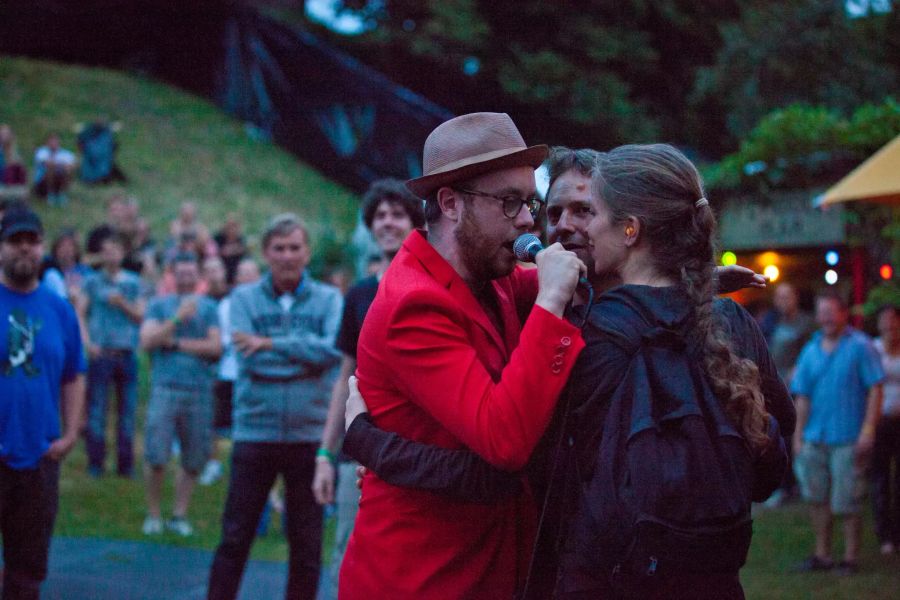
[[654, 228]]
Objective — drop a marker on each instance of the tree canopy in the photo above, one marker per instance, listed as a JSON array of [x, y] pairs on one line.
[[600, 73]]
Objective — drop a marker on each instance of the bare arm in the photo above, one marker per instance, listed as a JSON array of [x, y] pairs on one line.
[[133, 310], [208, 347], [324, 478], [866, 438], [334, 424], [82, 304], [802, 406], [735, 277], [157, 334], [72, 404]]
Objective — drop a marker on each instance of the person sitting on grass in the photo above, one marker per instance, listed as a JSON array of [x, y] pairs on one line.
[[53, 169]]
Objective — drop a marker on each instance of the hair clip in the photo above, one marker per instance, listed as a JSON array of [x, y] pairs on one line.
[[701, 202]]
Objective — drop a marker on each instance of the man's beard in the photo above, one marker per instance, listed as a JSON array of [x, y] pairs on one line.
[[20, 272], [477, 255]]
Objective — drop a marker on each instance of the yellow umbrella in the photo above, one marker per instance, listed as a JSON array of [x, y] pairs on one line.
[[875, 180]]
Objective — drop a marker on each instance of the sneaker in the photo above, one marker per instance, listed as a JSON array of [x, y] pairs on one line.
[[95, 472], [813, 564], [212, 472], [180, 526], [888, 548], [846, 568], [152, 526]]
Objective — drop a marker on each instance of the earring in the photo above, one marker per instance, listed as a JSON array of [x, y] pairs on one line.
[[629, 231]]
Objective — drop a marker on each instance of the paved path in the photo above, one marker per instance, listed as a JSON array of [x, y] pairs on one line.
[[95, 569]]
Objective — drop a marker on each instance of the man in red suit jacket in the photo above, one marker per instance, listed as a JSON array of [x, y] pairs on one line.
[[462, 349]]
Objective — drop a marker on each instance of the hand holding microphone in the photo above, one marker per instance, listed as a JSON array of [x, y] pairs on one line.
[[559, 271]]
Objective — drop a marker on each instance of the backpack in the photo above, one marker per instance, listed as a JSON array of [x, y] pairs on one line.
[[670, 488], [98, 148]]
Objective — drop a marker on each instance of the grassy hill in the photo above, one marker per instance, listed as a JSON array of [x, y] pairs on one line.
[[173, 146]]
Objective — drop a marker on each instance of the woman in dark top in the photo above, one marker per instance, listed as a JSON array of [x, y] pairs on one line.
[[653, 227]]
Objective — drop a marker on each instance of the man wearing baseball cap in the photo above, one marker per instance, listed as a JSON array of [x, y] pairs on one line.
[[461, 349], [41, 371]]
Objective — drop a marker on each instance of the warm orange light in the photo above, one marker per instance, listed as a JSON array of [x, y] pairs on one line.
[[771, 272], [768, 258], [886, 271]]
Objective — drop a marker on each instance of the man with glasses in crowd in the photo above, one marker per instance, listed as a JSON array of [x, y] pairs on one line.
[[462, 349]]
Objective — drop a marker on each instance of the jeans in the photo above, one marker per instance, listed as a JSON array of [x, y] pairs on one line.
[[885, 500], [254, 468], [119, 368], [28, 503]]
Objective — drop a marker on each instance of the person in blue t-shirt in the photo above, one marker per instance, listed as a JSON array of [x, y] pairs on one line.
[[837, 383], [41, 372], [181, 332], [114, 307]]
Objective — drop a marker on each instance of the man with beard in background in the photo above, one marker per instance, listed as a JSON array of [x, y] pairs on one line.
[[41, 373]]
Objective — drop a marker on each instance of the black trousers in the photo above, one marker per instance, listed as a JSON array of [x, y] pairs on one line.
[[28, 503], [254, 468], [886, 486]]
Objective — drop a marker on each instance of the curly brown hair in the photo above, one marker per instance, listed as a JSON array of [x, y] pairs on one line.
[[660, 187]]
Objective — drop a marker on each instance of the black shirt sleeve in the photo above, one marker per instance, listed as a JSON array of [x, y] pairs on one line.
[[356, 305], [458, 474]]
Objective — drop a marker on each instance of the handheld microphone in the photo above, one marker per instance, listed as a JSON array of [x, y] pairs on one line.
[[526, 248]]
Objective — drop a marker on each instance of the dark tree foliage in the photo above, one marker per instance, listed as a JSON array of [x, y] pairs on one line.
[[588, 72], [809, 51], [603, 72]]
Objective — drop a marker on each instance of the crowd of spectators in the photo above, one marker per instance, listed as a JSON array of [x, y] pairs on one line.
[[173, 299]]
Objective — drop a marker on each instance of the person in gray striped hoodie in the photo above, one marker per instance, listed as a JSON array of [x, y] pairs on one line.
[[284, 328]]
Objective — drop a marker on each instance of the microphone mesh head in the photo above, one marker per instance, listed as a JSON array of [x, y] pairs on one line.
[[527, 246]]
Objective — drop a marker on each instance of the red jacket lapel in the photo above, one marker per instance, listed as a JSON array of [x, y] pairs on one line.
[[417, 244]]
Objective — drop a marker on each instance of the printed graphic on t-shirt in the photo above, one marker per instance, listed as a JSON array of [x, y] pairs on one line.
[[20, 344]]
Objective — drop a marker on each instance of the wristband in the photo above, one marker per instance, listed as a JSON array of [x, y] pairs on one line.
[[175, 320], [325, 453]]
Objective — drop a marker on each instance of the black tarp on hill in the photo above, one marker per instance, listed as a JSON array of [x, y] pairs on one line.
[[340, 116]]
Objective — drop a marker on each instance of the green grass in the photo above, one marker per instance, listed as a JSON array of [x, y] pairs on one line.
[[173, 147], [783, 537], [114, 507]]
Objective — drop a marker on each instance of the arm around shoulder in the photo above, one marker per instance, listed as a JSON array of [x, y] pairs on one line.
[[443, 373]]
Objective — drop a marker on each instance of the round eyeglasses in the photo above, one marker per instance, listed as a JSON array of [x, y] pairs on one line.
[[512, 203]]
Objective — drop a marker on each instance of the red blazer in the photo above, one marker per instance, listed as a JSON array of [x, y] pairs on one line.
[[434, 369]]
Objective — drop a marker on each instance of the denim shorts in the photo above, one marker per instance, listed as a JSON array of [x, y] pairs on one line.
[[829, 475], [183, 413]]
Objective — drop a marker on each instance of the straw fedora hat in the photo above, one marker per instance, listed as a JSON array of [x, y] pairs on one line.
[[471, 145]]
